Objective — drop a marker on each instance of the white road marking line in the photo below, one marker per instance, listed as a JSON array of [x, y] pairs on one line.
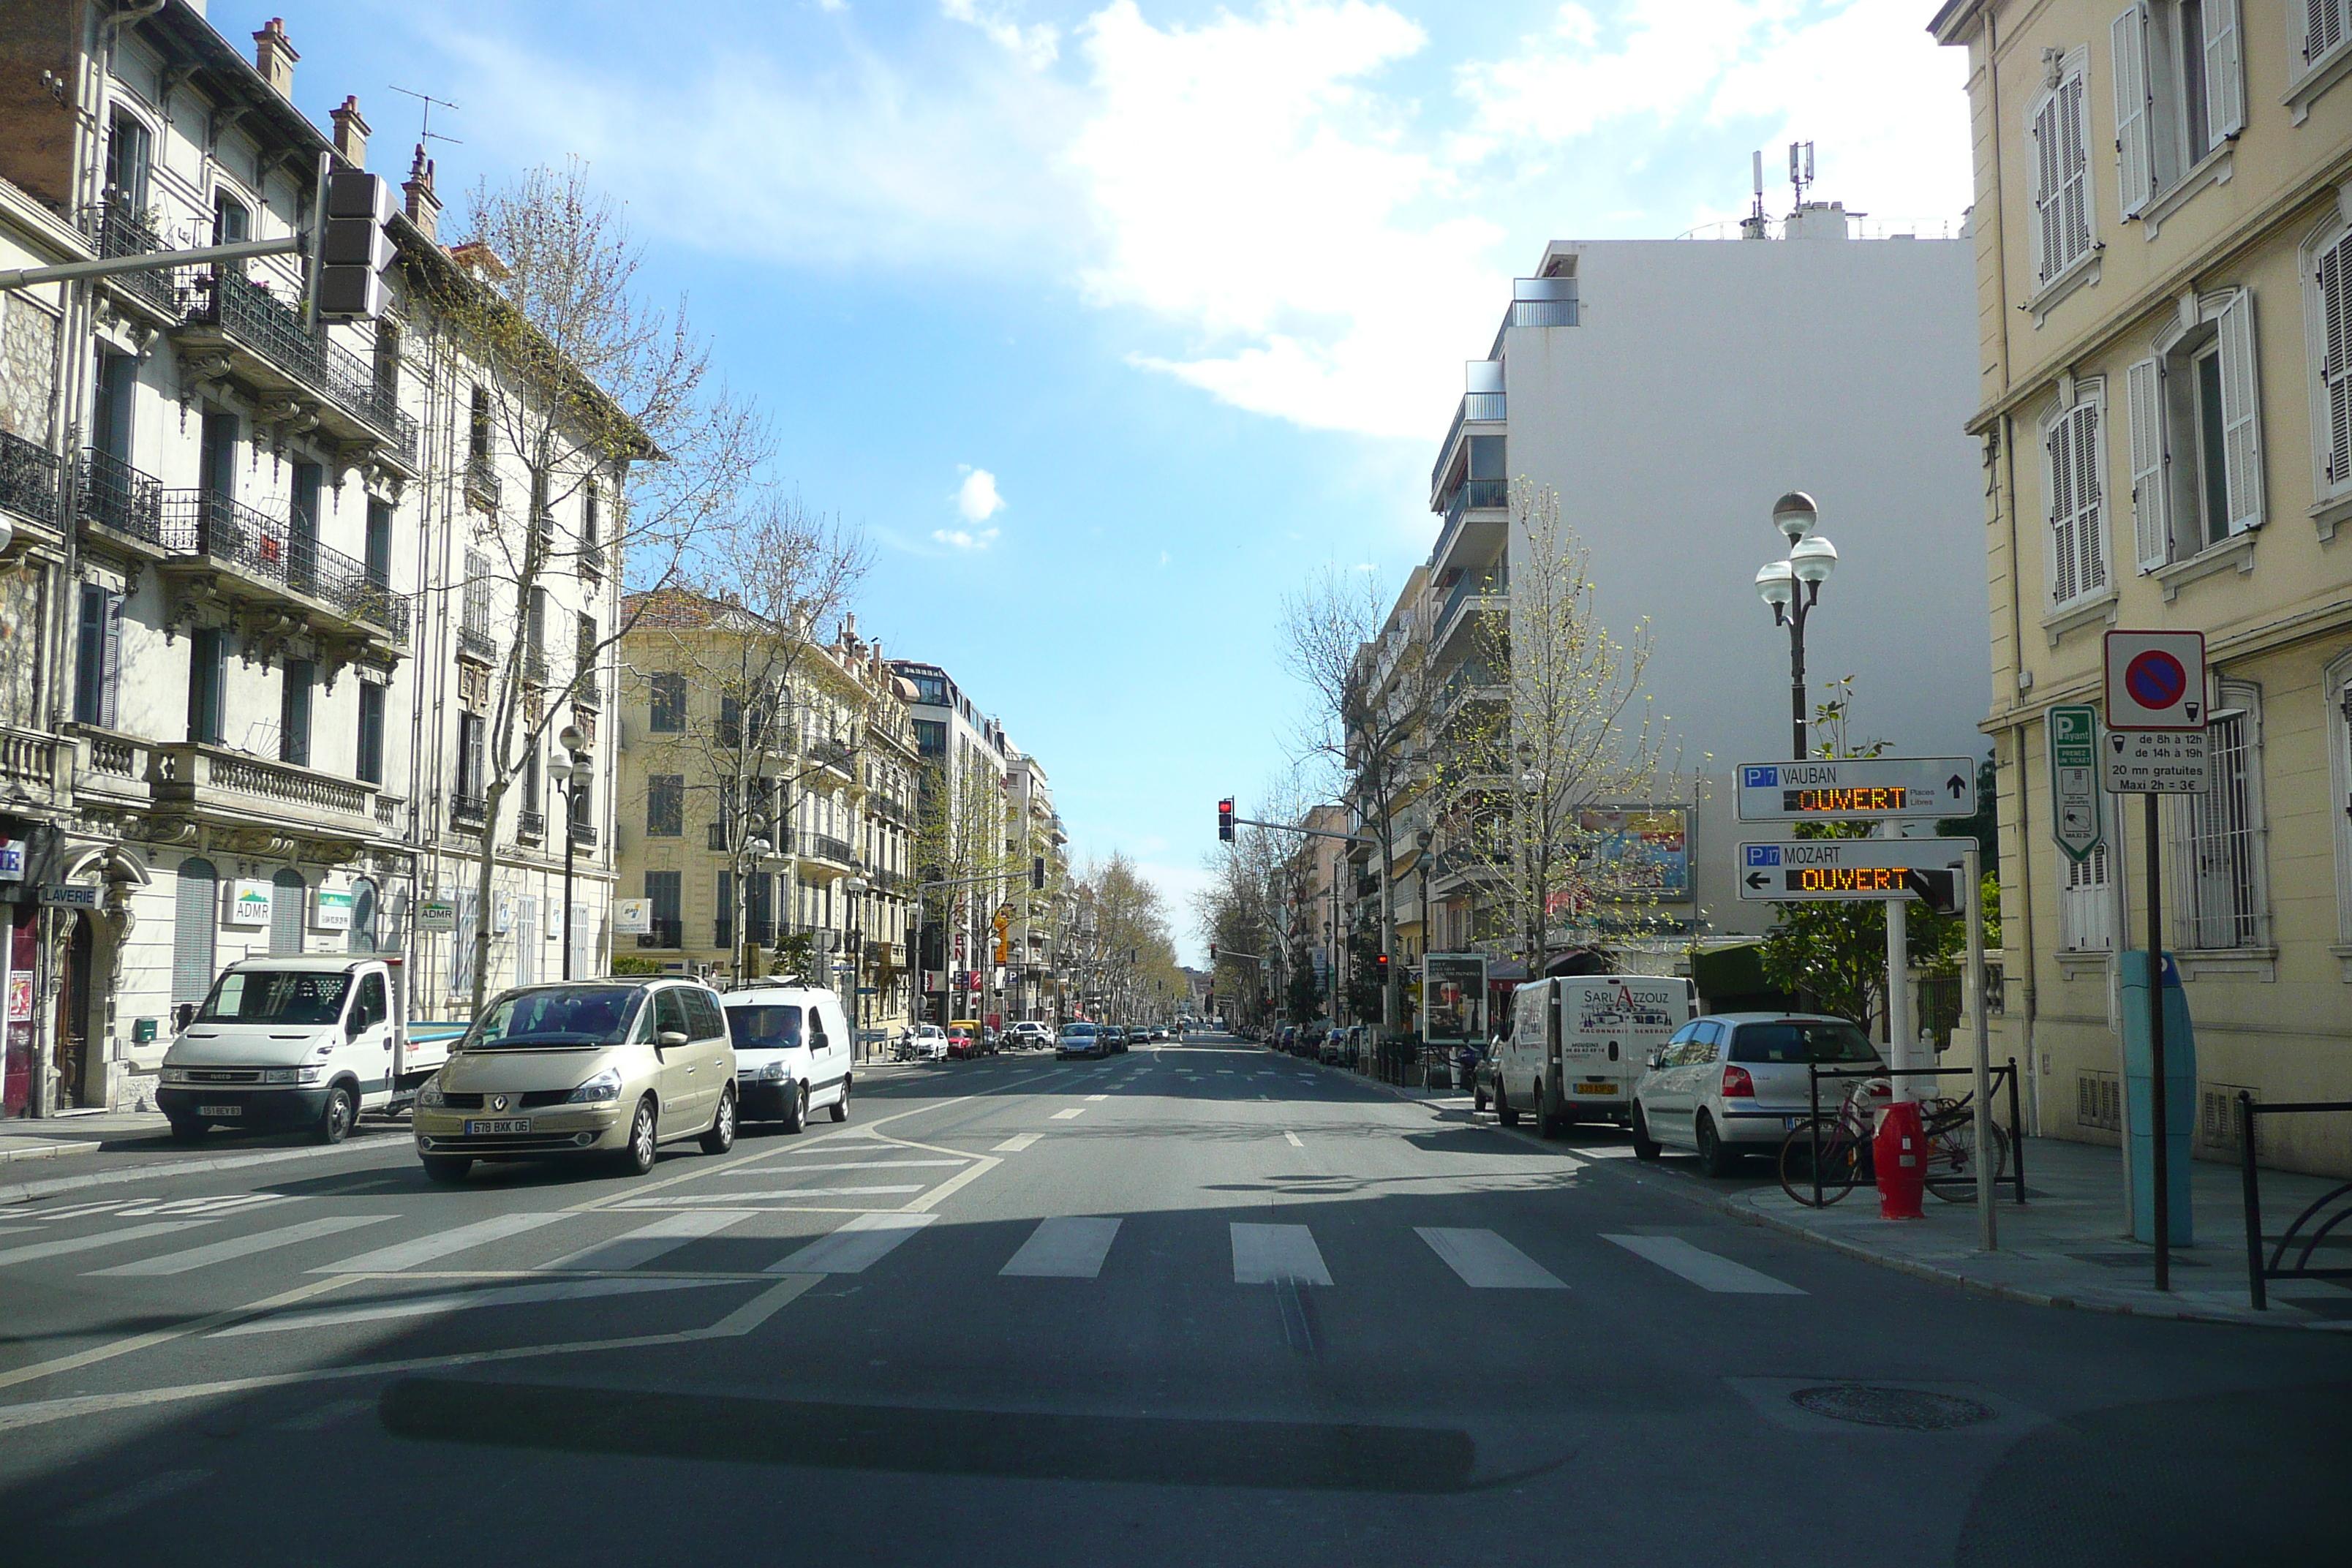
[[1486, 1262], [1067, 1115], [238, 1247], [1065, 1249], [1095, 1097], [855, 1246], [1225, 1072], [1018, 1142], [224, 1203], [697, 1200], [1703, 1268], [650, 1241], [154, 1489], [460, 1301], [325, 1416], [797, 1167], [32, 1250], [1266, 1254], [425, 1248], [1294, 1140], [71, 1211]]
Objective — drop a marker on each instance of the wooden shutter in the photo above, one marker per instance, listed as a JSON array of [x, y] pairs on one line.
[[2241, 413], [2074, 170], [2144, 383], [2061, 467], [2335, 360], [196, 920], [2090, 500], [461, 944], [2135, 151], [2322, 27], [110, 689], [2047, 245], [2225, 82], [288, 893]]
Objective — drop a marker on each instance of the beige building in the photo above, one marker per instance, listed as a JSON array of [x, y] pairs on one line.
[[2163, 228]]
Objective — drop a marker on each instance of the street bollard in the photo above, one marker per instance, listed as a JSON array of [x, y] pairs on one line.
[[1899, 1154]]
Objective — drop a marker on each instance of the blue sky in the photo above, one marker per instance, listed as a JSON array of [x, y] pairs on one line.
[[1110, 322]]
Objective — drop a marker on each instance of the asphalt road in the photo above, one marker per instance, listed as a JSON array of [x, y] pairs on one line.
[[1200, 1305]]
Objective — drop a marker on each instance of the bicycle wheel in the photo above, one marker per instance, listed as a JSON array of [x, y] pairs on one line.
[[1952, 1159], [1840, 1161]]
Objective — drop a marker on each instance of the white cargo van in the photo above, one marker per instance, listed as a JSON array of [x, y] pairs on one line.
[[283, 1043], [791, 1052], [1577, 1045]]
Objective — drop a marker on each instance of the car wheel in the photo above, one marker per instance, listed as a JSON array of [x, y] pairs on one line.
[[335, 1120], [187, 1130], [796, 1109], [1548, 1122], [638, 1157], [1505, 1112], [1477, 1099], [841, 1105], [446, 1169], [1716, 1157], [721, 1136], [1644, 1146]]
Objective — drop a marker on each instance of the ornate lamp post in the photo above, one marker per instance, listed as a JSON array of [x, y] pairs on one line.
[[1792, 588], [564, 771]]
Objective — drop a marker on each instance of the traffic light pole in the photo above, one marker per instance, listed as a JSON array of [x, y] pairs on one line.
[[154, 261]]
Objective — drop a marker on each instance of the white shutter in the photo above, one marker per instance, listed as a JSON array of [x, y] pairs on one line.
[[2145, 412], [2241, 443], [2074, 168], [2322, 27], [2225, 83], [2058, 452], [2048, 247], [2336, 361], [2134, 154], [2090, 495]]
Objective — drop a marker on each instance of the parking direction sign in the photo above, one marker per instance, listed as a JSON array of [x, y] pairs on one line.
[[1857, 789], [2075, 780], [2155, 680], [2156, 762], [1925, 869]]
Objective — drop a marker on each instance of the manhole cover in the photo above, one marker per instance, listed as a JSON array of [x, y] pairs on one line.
[[1911, 1409]]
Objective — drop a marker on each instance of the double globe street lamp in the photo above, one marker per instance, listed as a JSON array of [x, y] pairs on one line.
[[571, 773], [1792, 588]]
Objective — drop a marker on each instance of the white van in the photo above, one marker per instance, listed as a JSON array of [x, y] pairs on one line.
[[1577, 1046], [791, 1052]]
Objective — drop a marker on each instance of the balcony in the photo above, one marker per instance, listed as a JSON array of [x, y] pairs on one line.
[[834, 851], [468, 812], [584, 834], [834, 754], [1476, 592], [236, 789], [117, 231], [1543, 302], [221, 545], [481, 483], [534, 665], [118, 497], [587, 692], [531, 826], [591, 562], [266, 346], [29, 762], [474, 643], [1471, 681], [391, 813], [30, 480]]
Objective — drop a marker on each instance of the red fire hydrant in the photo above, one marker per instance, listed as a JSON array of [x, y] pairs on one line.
[[1899, 1154]]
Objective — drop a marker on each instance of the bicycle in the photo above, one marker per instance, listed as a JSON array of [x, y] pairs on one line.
[[1836, 1146], [1951, 1129]]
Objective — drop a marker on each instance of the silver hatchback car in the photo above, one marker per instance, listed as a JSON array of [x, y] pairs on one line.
[[1734, 1083]]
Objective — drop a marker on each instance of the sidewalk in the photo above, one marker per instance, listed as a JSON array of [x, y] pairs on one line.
[[77, 1132]]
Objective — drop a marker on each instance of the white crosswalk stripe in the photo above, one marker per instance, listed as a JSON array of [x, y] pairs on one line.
[[855, 1246], [648, 1242], [1073, 1112], [39, 1249], [1268, 1254], [1701, 1268], [441, 1244], [203, 1257], [763, 1194], [461, 1301], [1018, 1142], [1067, 1248], [1486, 1262]]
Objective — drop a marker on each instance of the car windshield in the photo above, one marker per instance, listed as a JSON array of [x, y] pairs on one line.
[[765, 1026], [570, 1015], [276, 996], [1071, 1029], [1799, 1041]]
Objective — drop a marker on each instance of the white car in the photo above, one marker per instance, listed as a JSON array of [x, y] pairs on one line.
[[1734, 1083], [929, 1043], [1028, 1032], [791, 1053]]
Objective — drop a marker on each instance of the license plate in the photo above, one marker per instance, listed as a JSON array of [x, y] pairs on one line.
[[1596, 1088], [493, 1128], [1791, 1123], [220, 1110]]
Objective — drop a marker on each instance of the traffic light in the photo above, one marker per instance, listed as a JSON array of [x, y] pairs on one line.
[[1940, 890], [1226, 819], [1037, 873], [355, 248], [1381, 968], [1213, 955]]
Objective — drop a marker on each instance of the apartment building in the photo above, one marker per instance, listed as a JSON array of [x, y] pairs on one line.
[[962, 799], [766, 784], [1034, 835], [240, 723], [2163, 234]]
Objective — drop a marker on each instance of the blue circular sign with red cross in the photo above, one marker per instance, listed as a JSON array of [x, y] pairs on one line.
[[2155, 679]]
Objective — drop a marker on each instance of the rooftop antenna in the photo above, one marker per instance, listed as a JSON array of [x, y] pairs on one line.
[[1801, 167], [424, 131], [1753, 226]]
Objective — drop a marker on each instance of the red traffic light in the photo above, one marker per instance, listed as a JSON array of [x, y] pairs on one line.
[[1226, 819], [1381, 968]]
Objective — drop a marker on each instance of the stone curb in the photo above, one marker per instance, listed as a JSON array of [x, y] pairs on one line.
[[46, 1151], [22, 1191]]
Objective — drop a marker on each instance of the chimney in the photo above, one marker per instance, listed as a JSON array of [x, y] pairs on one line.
[[351, 133], [273, 57], [424, 207]]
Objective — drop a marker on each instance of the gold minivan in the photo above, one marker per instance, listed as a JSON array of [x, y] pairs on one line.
[[607, 1070]]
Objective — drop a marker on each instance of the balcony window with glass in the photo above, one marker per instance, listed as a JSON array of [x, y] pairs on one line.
[[97, 656], [665, 806], [207, 685], [663, 892], [2179, 95], [369, 760], [2195, 436], [667, 714], [297, 676]]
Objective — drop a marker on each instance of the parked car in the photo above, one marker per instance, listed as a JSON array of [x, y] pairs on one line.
[[929, 1042], [1080, 1040], [1029, 1032], [1574, 1046], [1734, 1083], [962, 1044], [983, 1041], [612, 1067], [791, 1053], [1114, 1038]]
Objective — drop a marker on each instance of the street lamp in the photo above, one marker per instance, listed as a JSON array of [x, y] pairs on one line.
[[1792, 588], [855, 940], [563, 771], [750, 856]]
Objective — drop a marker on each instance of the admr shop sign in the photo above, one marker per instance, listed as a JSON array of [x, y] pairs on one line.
[[246, 902]]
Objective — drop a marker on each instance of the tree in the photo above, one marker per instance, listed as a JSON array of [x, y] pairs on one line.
[[960, 840], [1572, 733], [608, 406], [1240, 911]]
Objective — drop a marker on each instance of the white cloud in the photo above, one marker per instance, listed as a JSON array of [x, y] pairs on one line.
[[966, 539], [1035, 47], [976, 497]]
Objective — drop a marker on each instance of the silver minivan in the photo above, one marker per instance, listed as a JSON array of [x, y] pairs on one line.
[[1734, 1083], [791, 1052]]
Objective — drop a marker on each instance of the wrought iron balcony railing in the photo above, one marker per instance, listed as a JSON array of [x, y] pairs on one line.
[[530, 825], [467, 810], [28, 479], [223, 296], [475, 643], [584, 834], [820, 846], [199, 522], [118, 231], [482, 482], [120, 497]]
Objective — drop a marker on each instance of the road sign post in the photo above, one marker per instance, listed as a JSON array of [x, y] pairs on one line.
[[2157, 715], [2076, 818]]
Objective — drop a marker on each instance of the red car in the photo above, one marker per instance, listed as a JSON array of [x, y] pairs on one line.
[[961, 1047]]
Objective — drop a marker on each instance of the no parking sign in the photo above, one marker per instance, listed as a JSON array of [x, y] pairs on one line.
[[2155, 680]]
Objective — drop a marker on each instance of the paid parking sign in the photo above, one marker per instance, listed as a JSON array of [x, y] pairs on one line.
[[2075, 780]]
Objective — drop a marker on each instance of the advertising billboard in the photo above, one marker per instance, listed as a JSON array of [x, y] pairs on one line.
[[1453, 998]]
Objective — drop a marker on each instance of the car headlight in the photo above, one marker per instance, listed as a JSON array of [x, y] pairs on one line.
[[430, 1097], [604, 1086], [310, 1074], [278, 1075], [772, 1072], [173, 1074]]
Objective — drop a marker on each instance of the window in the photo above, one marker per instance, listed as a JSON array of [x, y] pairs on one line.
[[2074, 464], [478, 593], [294, 712], [589, 520], [477, 426], [2062, 192], [722, 922], [665, 806], [208, 678], [583, 648], [129, 153], [669, 1013], [232, 219], [2326, 25], [302, 526], [361, 936], [760, 908], [668, 715], [370, 1008], [731, 721], [2220, 895], [110, 415], [196, 920], [535, 636], [216, 455], [932, 689], [289, 893], [2179, 91], [704, 1020], [97, 656], [2086, 908], [662, 892], [531, 793], [930, 737], [379, 542], [2195, 436], [472, 736], [2328, 311]]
